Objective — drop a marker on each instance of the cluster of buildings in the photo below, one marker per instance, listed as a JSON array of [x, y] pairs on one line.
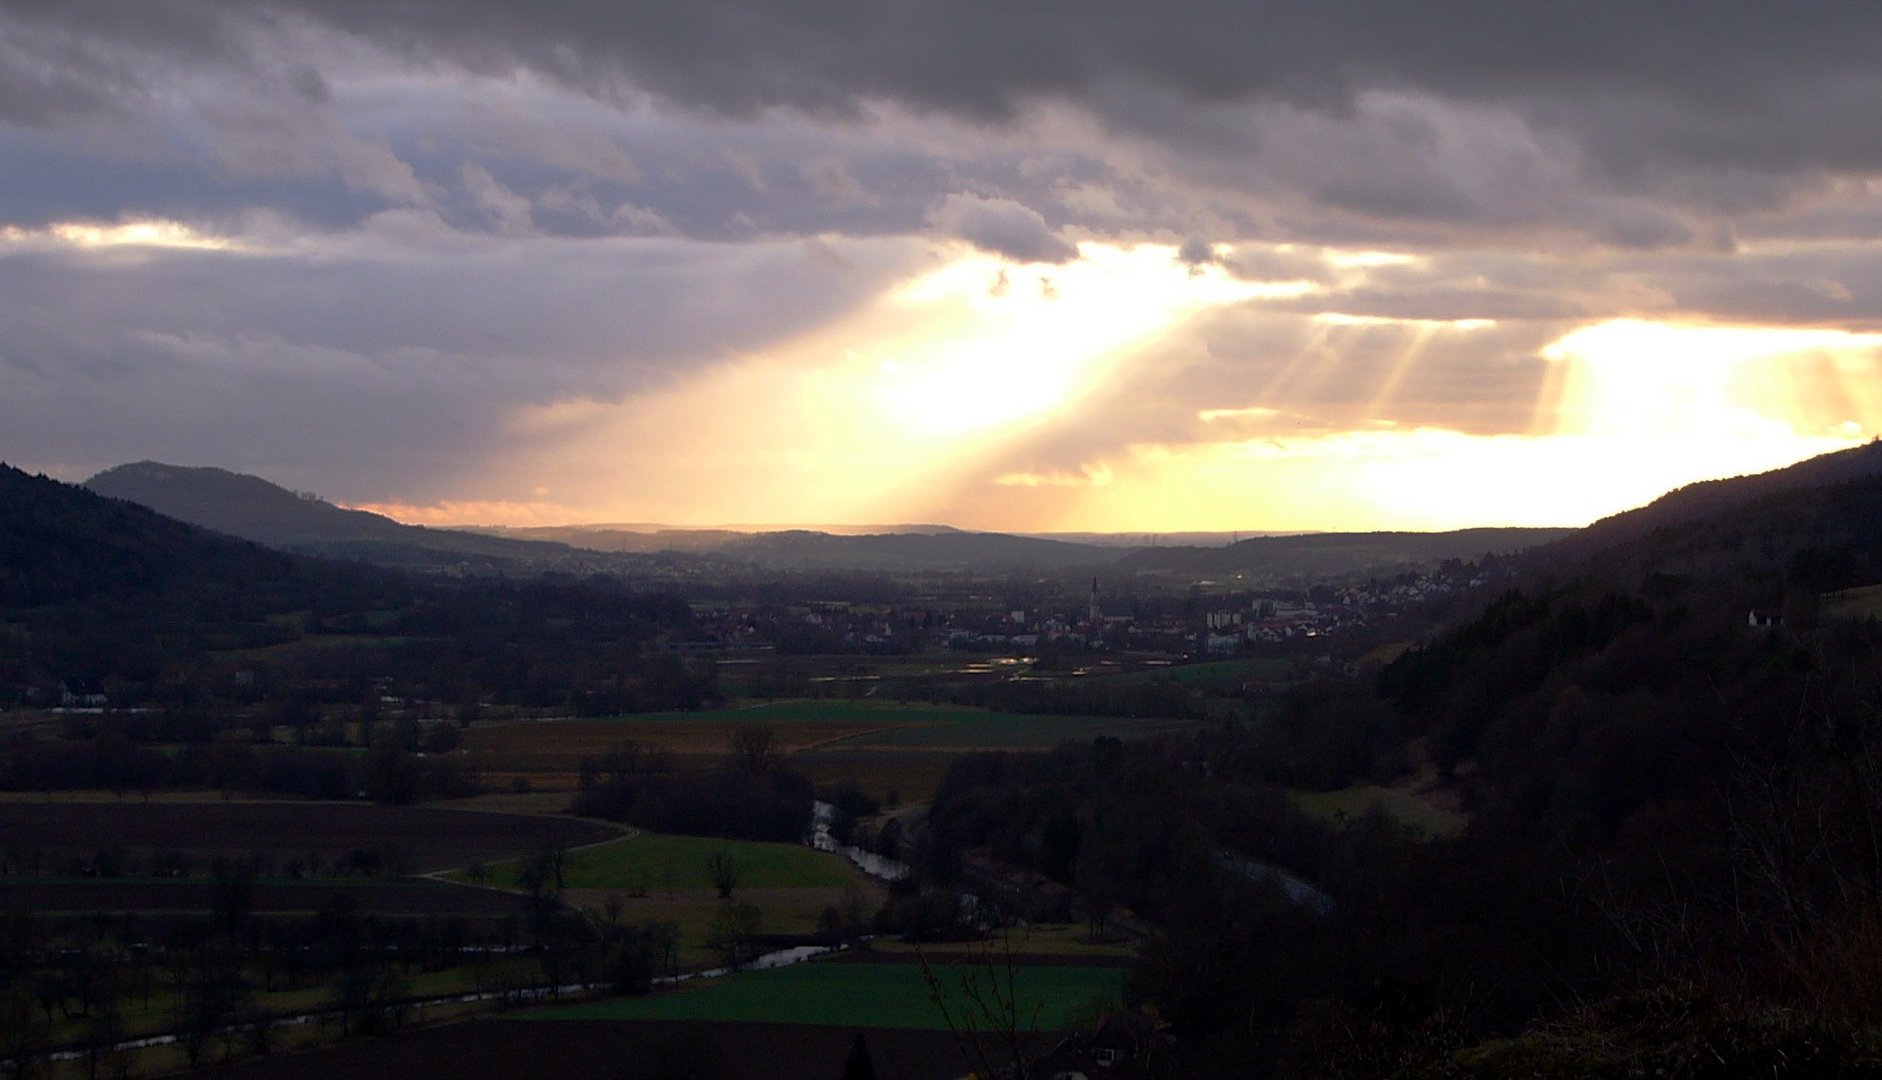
[[1223, 624]]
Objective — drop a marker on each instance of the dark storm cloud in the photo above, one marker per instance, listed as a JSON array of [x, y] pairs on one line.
[[1736, 82], [64, 61], [1196, 251], [1817, 284], [49, 179], [1003, 227], [1837, 286], [1649, 93]]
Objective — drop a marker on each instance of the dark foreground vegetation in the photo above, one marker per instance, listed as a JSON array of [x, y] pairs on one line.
[[1674, 858], [755, 797], [210, 653], [1660, 741], [223, 924], [625, 1050]]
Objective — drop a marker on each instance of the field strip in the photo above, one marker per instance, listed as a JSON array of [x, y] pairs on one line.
[[865, 995], [628, 832], [821, 743], [514, 995]]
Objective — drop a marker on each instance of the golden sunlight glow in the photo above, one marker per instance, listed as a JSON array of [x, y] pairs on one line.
[[1365, 260], [917, 407], [155, 233], [864, 420], [1099, 475], [1335, 318], [1634, 409], [1416, 479], [979, 356], [471, 512], [1714, 383], [1253, 412]]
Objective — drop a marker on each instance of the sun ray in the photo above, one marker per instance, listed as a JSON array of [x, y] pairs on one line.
[[1413, 341], [1859, 377], [1325, 362], [867, 419], [1314, 345]]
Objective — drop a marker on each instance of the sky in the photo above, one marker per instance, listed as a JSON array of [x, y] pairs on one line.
[[1044, 266]]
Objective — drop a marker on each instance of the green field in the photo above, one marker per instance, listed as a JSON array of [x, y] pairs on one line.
[[1037, 939], [1214, 671], [881, 745], [885, 713], [865, 995], [799, 711], [1404, 806], [317, 643], [650, 861], [973, 729], [896, 724]]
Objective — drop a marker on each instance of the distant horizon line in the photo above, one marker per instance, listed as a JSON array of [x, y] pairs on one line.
[[645, 528], [79, 475]]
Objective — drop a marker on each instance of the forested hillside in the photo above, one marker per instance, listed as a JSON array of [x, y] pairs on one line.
[[96, 587], [254, 509], [1673, 863], [1331, 555], [150, 610]]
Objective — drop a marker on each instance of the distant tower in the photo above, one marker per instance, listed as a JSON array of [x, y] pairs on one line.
[[1096, 618]]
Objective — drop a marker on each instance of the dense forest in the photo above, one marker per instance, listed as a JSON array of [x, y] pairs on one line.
[[753, 797]]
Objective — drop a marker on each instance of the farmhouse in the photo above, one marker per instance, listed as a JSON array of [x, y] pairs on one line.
[[82, 694], [1125, 1045]]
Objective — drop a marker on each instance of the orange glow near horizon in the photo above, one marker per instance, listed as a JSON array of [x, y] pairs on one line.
[[1633, 409], [976, 359], [861, 421], [1712, 382], [152, 233], [904, 412]]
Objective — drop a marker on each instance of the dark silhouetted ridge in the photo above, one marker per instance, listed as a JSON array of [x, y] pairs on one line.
[[255, 509]]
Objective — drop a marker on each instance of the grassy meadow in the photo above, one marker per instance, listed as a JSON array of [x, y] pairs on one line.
[[881, 745], [649, 877], [870, 995], [1406, 807], [648, 862]]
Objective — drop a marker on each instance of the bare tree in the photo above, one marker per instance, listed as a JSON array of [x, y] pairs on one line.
[[724, 873], [858, 1066], [735, 931], [754, 748], [981, 1005], [541, 875], [23, 1036]]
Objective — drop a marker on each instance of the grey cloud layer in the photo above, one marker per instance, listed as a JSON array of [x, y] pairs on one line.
[[394, 375], [1605, 118], [1778, 80], [1003, 227], [474, 205]]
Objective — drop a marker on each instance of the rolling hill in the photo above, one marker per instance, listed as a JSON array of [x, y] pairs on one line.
[[1334, 554], [1717, 499], [255, 509]]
